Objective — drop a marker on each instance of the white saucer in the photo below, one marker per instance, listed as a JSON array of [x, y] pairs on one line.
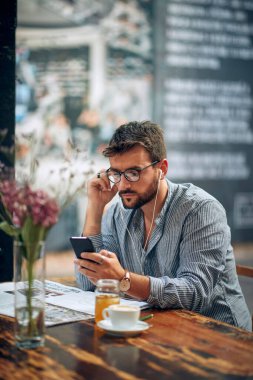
[[137, 329]]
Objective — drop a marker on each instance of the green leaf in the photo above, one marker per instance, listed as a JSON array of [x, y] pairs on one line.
[[4, 213], [31, 235], [9, 229]]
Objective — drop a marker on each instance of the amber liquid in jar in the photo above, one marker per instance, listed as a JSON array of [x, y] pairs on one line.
[[107, 293], [102, 302]]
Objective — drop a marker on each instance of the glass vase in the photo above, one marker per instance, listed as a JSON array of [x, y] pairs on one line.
[[29, 278]]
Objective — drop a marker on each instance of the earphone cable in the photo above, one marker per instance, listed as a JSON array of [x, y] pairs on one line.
[[129, 233], [149, 232]]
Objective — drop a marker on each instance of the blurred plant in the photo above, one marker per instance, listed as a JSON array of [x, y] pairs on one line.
[[27, 215], [27, 212]]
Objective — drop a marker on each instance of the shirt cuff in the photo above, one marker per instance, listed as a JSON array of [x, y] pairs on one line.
[[156, 291]]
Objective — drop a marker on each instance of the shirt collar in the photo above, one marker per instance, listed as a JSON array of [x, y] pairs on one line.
[[160, 218]]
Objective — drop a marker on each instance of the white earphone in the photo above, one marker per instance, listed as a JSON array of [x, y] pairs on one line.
[[161, 173]]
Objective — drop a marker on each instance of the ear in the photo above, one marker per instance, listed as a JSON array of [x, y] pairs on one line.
[[164, 168]]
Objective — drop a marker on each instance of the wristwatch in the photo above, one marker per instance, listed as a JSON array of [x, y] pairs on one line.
[[125, 283]]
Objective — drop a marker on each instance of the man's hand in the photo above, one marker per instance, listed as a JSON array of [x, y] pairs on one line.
[[99, 194], [100, 191], [104, 264]]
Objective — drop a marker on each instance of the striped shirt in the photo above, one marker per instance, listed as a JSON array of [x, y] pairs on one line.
[[189, 258]]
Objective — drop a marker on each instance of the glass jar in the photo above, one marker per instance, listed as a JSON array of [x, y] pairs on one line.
[[107, 293]]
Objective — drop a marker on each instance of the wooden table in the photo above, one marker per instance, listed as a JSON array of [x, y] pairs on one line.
[[179, 345]]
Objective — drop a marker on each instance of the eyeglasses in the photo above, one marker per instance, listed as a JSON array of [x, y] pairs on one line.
[[132, 175]]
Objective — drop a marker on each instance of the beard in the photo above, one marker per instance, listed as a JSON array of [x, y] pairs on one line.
[[141, 199]]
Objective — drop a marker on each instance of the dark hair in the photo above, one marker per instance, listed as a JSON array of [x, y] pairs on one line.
[[144, 133]]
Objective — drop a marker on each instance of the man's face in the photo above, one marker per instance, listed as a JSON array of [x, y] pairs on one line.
[[136, 194]]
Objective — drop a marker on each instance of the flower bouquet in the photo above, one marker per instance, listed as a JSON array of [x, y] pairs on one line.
[[27, 213]]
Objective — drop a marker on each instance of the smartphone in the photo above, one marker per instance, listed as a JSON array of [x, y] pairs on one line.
[[81, 244]]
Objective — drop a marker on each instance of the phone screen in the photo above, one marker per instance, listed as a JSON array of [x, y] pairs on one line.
[[81, 244]]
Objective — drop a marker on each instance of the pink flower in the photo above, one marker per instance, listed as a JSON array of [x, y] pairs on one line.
[[23, 202]]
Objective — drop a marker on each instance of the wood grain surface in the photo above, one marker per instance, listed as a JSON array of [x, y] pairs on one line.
[[178, 345]]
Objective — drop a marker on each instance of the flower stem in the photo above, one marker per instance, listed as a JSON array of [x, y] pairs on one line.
[[30, 268]]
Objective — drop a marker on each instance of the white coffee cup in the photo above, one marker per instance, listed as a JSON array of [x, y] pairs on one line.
[[122, 317]]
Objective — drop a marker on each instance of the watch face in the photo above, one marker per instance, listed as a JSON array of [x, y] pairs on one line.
[[124, 284]]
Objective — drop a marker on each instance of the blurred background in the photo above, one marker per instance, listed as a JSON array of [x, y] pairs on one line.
[[84, 67]]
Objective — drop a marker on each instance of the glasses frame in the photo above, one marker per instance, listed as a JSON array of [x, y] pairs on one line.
[[139, 170]]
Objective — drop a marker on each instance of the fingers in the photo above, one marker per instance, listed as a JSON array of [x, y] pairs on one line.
[[91, 260], [92, 269], [85, 265], [101, 173], [93, 280], [99, 189], [104, 264], [108, 254], [97, 256], [103, 181]]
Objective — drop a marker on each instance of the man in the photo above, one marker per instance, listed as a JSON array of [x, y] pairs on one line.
[[166, 243]]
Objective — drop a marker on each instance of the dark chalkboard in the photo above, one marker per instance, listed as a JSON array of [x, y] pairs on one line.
[[203, 99]]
